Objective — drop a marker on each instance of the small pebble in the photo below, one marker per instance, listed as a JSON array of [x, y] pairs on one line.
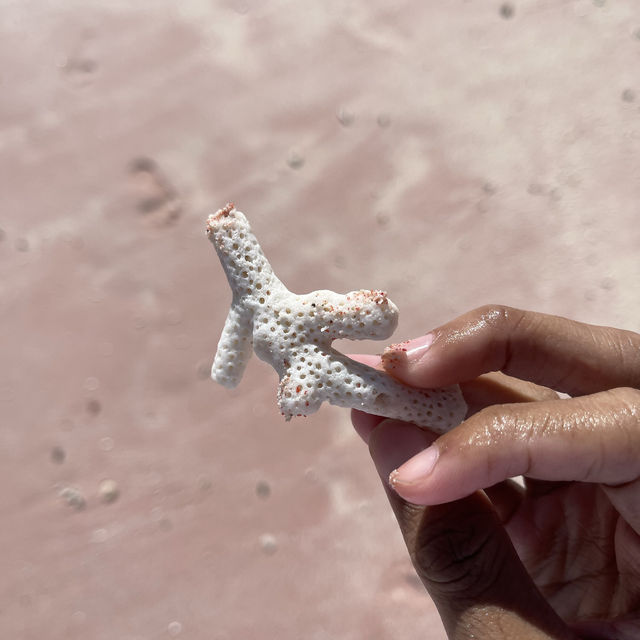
[[382, 219], [108, 491], [74, 498], [93, 407], [263, 490], [628, 95], [174, 628], [489, 188], [384, 120], [268, 544], [345, 117], [295, 160], [507, 10], [58, 455]]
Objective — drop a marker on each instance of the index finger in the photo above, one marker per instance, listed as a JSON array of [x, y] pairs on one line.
[[555, 352]]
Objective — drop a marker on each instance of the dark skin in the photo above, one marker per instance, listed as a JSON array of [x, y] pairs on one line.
[[559, 558]]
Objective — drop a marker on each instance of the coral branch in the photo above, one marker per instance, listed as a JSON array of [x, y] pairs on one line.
[[294, 333]]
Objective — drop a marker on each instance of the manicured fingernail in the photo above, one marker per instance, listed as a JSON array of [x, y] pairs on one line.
[[404, 353], [415, 469], [417, 347]]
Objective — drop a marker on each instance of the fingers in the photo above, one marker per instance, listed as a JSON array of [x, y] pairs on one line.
[[497, 388], [463, 555], [488, 389], [589, 439], [364, 423], [568, 356]]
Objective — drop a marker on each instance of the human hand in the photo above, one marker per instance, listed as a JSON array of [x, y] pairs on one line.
[[559, 558]]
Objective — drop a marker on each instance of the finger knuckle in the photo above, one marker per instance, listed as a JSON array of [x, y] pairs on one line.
[[502, 324], [496, 316], [626, 346], [460, 557]]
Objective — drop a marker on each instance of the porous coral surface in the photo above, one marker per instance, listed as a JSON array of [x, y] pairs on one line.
[[293, 333]]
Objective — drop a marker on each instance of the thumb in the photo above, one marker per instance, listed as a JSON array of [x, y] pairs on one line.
[[463, 555]]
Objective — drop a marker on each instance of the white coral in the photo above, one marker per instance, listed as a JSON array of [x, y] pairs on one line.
[[293, 333]]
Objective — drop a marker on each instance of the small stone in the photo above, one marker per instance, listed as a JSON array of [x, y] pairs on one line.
[[507, 10], [174, 628], [74, 498], [628, 95], [295, 160], [263, 490], [268, 544], [108, 491], [58, 455], [384, 120], [382, 219], [489, 188], [345, 117], [93, 407]]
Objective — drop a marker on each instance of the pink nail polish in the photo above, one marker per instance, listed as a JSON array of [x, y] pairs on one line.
[[404, 353], [416, 348], [415, 469]]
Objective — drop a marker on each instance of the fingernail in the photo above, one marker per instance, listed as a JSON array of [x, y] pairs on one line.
[[416, 348], [406, 352], [415, 469]]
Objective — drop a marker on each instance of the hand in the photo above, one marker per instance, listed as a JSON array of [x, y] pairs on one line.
[[559, 558]]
